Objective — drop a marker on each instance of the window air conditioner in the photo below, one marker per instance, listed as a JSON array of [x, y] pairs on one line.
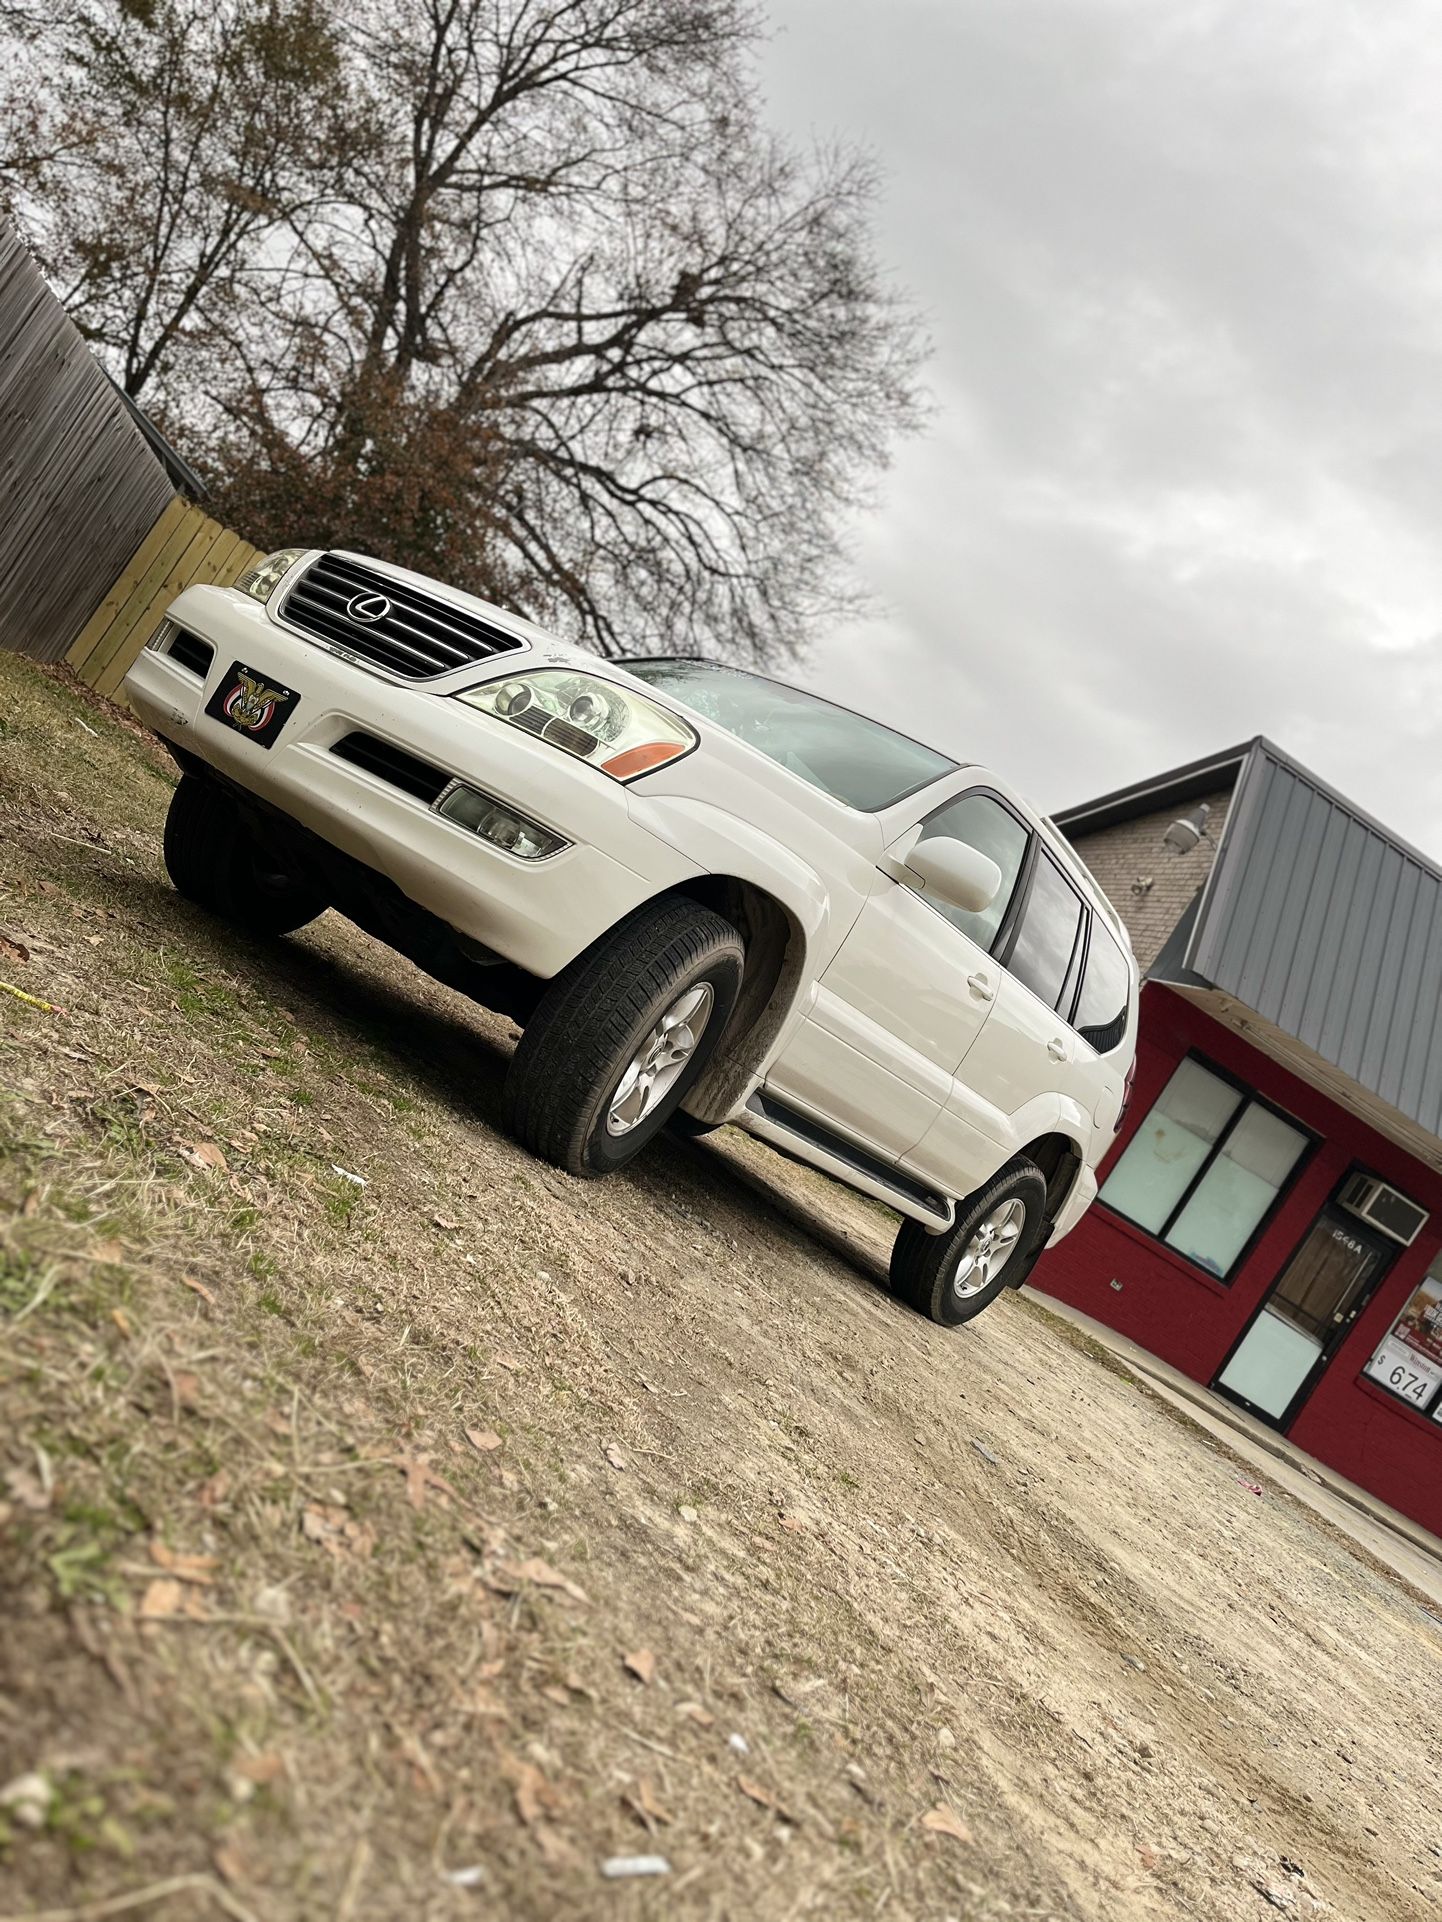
[[1390, 1213]]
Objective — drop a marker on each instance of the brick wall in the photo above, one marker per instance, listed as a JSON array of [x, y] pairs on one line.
[[1113, 1270], [1132, 851]]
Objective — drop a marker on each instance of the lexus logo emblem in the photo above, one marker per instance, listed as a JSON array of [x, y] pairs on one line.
[[368, 608]]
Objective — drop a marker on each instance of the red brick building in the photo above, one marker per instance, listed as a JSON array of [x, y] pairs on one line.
[[1270, 1219]]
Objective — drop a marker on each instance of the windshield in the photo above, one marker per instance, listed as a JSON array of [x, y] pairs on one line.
[[855, 760]]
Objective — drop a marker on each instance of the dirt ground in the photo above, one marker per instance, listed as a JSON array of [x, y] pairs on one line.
[[410, 1549]]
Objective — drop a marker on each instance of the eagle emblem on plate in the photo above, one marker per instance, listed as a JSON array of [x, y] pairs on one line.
[[250, 703]]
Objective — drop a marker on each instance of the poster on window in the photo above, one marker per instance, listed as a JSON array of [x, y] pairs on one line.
[[1409, 1361]]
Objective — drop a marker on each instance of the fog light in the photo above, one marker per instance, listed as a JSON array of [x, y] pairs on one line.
[[499, 825]]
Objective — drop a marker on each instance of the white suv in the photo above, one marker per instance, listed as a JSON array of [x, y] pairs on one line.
[[706, 895]]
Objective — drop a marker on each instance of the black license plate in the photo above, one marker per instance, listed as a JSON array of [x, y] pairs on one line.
[[251, 704]]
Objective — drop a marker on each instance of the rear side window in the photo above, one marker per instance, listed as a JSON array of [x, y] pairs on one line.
[[983, 823], [1047, 937], [1101, 1016]]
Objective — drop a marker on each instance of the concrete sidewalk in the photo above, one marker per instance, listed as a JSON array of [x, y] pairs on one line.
[[1402, 1545]]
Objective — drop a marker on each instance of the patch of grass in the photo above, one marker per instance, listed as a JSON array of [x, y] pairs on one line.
[[340, 1199], [120, 1119], [79, 1817], [21, 1280], [80, 1569], [196, 993], [83, 1540]]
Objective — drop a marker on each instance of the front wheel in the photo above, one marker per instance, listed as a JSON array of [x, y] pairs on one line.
[[621, 1034], [990, 1246], [215, 859]]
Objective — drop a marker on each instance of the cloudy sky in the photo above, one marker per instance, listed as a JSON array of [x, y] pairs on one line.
[[1181, 262]]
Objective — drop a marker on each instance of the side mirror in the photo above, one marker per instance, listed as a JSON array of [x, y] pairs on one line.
[[955, 872]]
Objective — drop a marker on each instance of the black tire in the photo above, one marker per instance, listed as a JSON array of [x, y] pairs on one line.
[[214, 858], [924, 1267], [593, 1020], [687, 1128]]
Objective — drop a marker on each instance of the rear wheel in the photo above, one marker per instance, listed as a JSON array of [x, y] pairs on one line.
[[215, 859], [991, 1246], [621, 1034]]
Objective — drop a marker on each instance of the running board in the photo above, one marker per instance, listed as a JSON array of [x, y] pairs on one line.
[[806, 1140]]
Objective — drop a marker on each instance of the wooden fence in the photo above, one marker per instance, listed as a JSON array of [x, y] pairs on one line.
[[94, 539], [183, 549]]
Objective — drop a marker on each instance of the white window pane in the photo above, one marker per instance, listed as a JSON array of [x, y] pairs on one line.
[[1237, 1190], [1170, 1146]]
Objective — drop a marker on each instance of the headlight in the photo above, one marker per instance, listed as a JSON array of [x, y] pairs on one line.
[[262, 579], [614, 728]]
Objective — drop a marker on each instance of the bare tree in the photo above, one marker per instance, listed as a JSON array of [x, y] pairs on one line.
[[570, 326], [183, 134]]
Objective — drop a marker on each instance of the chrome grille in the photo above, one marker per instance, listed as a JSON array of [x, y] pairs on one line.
[[417, 635]]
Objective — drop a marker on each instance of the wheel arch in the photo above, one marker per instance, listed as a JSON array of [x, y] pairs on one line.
[[1060, 1159], [778, 949]]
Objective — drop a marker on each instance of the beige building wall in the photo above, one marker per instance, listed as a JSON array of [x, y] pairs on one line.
[[1147, 883]]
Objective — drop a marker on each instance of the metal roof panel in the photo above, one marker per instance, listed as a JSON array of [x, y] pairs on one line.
[[1329, 927]]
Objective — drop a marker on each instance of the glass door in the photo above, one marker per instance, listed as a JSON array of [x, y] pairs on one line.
[[1315, 1300]]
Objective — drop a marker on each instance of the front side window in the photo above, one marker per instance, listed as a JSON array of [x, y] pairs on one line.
[[983, 823], [1204, 1168], [1408, 1360], [1047, 938]]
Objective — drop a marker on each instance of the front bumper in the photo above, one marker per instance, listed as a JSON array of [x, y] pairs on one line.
[[537, 914]]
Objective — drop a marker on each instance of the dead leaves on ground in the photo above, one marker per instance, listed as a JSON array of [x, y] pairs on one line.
[[755, 1792], [30, 1489], [944, 1820], [642, 1803], [642, 1664], [208, 1156], [197, 1569], [483, 1440], [508, 1578], [421, 1478], [184, 1388], [337, 1532], [538, 1801], [168, 1599], [215, 1489]]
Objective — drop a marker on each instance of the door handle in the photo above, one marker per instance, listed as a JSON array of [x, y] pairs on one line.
[[980, 984], [1056, 1049]]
